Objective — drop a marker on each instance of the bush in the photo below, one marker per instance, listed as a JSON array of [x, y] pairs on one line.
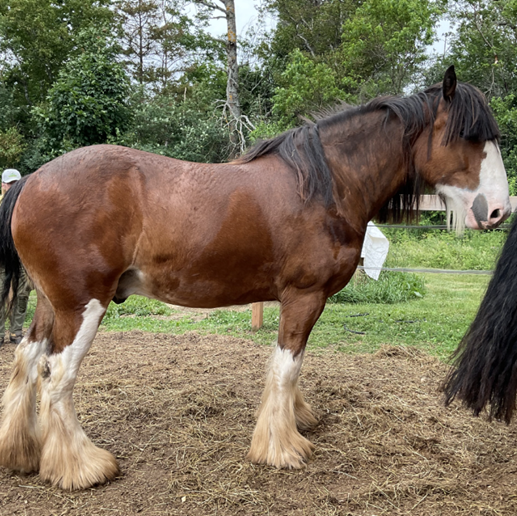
[[88, 102], [176, 128], [391, 287]]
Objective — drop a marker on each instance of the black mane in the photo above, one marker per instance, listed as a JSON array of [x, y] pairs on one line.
[[300, 148]]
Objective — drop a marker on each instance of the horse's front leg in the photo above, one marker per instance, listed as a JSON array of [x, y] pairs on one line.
[[276, 440]]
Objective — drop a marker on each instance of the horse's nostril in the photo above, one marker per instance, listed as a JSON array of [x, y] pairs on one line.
[[495, 214]]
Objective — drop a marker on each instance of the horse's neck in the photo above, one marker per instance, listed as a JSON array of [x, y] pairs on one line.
[[367, 161]]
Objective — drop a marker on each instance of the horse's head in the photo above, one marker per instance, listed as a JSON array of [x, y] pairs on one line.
[[461, 156]]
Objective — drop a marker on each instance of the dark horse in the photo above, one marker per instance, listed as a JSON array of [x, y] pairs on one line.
[[284, 222], [485, 372]]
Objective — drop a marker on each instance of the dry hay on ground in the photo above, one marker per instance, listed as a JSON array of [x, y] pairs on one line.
[[178, 412]]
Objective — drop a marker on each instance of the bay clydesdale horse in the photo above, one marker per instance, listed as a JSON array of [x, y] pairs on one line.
[[284, 222]]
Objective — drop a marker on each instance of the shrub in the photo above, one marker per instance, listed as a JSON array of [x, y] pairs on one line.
[[391, 287]]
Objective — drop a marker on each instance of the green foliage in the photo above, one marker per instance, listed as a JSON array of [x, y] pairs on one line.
[[182, 129], [304, 86], [483, 47], [88, 102], [265, 130], [384, 44], [435, 323], [136, 306], [505, 111], [12, 142], [312, 27], [391, 287], [484, 44], [37, 36], [256, 89], [159, 39], [475, 250], [12, 146]]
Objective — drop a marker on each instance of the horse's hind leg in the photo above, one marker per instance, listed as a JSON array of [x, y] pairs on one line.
[[276, 440], [68, 458], [20, 443]]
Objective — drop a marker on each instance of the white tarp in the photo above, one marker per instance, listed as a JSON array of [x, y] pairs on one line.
[[374, 251]]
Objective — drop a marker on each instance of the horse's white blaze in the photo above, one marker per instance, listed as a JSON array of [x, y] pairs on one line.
[[276, 440], [68, 457], [493, 186], [19, 431]]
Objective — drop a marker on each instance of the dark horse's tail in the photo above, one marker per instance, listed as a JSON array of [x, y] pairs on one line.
[[9, 259], [486, 359]]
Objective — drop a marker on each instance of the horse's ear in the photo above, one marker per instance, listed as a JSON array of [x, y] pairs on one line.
[[449, 83]]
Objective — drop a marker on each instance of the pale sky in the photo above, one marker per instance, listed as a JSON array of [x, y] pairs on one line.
[[246, 15]]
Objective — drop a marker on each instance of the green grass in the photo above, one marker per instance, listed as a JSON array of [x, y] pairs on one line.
[[475, 250]]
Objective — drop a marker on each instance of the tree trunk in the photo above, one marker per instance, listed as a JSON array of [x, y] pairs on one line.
[[232, 85]]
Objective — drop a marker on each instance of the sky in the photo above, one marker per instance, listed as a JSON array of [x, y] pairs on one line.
[[246, 16]]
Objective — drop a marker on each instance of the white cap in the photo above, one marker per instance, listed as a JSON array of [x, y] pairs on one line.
[[10, 174]]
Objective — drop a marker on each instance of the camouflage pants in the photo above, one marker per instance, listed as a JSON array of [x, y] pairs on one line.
[[19, 305]]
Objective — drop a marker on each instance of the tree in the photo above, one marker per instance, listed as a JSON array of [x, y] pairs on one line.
[[231, 108], [312, 26], [159, 40], [305, 86], [384, 45], [187, 129], [12, 144], [88, 102], [37, 36], [348, 50], [484, 44]]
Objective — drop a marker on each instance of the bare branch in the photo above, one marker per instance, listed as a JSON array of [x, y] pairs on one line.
[[307, 45], [210, 5]]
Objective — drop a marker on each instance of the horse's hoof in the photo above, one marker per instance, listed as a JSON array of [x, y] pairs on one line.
[[73, 471], [20, 453], [289, 455]]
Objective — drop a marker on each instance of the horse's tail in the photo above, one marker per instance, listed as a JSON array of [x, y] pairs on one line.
[[486, 359], [9, 259]]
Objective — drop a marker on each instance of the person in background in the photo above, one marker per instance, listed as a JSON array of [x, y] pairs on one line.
[[21, 296]]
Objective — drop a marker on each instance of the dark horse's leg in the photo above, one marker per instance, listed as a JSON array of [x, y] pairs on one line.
[[276, 440], [68, 458], [20, 440]]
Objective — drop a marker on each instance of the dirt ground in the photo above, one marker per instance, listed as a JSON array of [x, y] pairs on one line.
[[178, 412]]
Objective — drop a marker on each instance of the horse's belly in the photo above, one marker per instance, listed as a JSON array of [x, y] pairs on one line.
[[188, 287]]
